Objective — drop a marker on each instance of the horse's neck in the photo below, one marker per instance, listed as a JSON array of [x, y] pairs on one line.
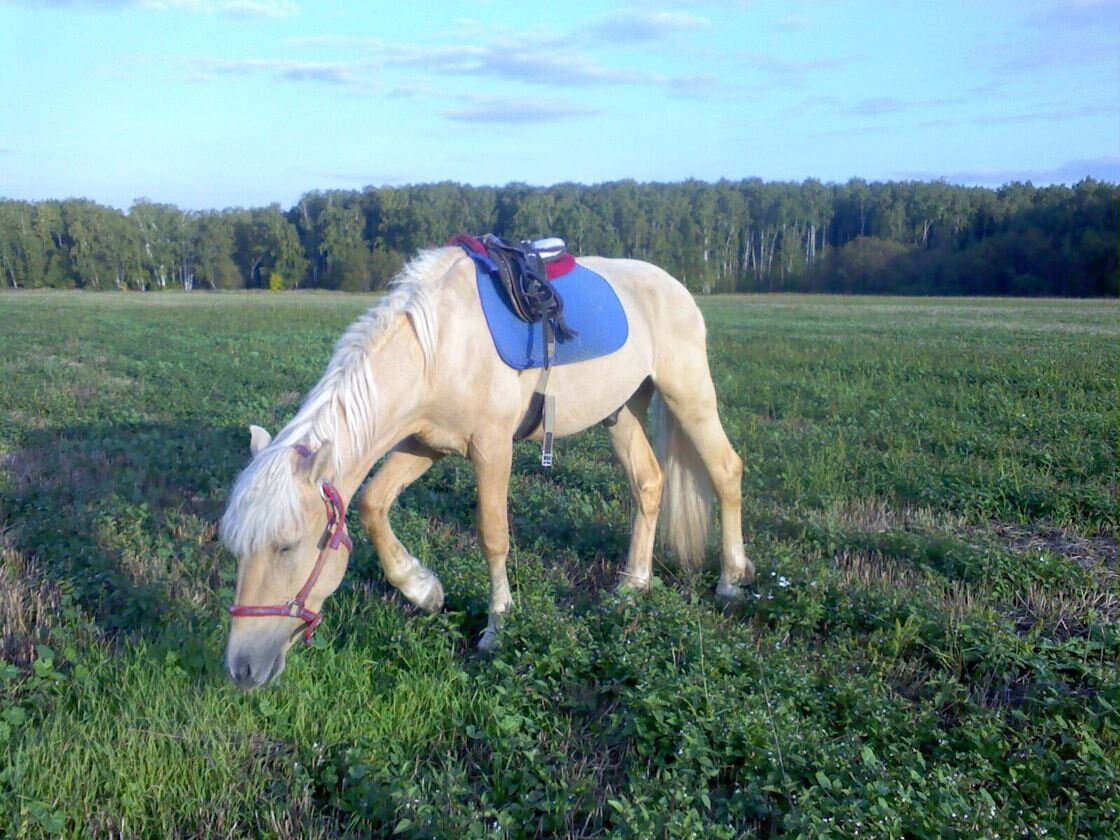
[[397, 371]]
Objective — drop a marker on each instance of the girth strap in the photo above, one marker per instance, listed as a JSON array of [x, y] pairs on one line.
[[541, 410], [542, 406]]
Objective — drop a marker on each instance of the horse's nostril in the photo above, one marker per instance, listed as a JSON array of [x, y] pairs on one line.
[[241, 672]]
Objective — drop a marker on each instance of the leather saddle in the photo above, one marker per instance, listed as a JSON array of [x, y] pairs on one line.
[[522, 269]]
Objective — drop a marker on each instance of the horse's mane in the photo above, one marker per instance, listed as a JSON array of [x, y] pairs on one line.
[[264, 504]]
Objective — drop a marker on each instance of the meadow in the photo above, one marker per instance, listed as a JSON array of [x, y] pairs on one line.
[[931, 648]]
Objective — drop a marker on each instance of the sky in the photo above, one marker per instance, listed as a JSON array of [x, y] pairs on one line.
[[208, 104]]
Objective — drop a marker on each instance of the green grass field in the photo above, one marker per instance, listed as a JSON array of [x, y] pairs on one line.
[[931, 648]]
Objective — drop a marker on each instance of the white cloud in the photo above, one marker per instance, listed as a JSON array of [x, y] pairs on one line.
[[791, 71], [523, 64], [634, 26], [1077, 14], [520, 112], [1046, 113], [331, 73], [1070, 172], [506, 61], [876, 106], [236, 8], [794, 23]]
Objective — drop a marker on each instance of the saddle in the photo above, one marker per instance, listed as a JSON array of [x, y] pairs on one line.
[[524, 270]]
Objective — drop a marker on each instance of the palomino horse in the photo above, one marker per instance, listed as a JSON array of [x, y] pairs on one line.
[[417, 377]]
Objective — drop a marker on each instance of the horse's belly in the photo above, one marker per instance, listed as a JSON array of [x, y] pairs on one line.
[[588, 392]]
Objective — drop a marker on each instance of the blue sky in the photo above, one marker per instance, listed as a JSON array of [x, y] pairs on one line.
[[218, 103]]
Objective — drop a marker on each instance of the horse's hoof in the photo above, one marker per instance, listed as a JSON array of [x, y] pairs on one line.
[[740, 561], [489, 640], [630, 587], [728, 591], [433, 603], [425, 592]]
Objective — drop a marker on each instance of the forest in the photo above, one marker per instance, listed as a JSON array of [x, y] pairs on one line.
[[916, 238]]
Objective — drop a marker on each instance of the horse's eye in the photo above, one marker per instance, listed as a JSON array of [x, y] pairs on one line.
[[285, 548]]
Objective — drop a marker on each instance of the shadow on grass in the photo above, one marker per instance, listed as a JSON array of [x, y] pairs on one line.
[[122, 520]]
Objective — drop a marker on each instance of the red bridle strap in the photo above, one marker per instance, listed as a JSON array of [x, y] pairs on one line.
[[335, 536]]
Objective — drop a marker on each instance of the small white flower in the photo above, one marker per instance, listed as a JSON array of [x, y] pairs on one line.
[[783, 582]]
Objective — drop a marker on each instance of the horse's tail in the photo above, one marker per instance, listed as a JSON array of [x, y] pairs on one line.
[[686, 501]]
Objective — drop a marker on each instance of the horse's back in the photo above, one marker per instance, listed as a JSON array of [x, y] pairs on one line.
[[651, 295]]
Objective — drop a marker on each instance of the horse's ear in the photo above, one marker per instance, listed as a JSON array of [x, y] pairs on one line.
[[320, 466], [258, 439]]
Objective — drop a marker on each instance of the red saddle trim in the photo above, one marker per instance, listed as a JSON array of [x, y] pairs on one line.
[[560, 266]]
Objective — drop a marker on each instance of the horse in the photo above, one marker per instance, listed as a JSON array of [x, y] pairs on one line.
[[416, 378]]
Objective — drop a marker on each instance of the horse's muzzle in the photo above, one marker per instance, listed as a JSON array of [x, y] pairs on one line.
[[255, 655], [249, 670]]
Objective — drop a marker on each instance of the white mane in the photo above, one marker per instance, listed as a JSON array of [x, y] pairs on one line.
[[264, 504]]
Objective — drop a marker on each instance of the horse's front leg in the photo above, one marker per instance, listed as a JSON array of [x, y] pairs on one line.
[[492, 462], [406, 463]]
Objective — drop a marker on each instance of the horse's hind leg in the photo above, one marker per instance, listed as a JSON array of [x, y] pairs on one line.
[[685, 384], [633, 450], [406, 463], [493, 460]]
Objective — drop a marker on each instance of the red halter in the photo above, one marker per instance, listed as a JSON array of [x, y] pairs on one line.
[[334, 537]]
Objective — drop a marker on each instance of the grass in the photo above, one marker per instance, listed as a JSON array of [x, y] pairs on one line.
[[930, 650]]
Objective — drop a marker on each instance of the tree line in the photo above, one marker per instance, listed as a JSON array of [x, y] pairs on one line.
[[745, 236]]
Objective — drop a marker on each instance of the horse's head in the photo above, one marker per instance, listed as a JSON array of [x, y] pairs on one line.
[[287, 525]]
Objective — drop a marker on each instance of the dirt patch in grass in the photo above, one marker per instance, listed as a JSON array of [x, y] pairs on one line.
[[874, 515], [1064, 611], [1094, 552], [863, 569], [28, 603], [872, 569]]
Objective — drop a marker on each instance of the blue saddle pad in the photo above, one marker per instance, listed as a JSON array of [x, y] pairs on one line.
[[591, 309]]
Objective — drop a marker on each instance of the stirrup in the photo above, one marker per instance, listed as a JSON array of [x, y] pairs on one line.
[[549, 427]]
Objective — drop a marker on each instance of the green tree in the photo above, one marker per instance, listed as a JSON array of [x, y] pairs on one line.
[[103, 246], [864, 265], [745, 235], [24, 253], [339, 232], [213, 251], [164, 240], [265, 242]]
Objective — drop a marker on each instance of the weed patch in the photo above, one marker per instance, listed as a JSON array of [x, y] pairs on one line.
[[931, 647]]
